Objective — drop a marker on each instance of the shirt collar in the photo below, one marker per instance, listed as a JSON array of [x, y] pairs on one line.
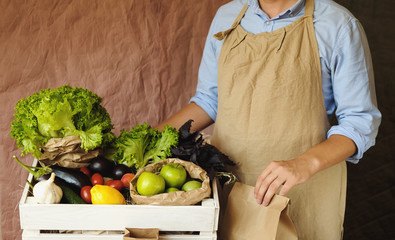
[[290, 12]]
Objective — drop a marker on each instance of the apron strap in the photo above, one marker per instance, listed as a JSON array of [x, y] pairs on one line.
[[221, 35], [309, 8]]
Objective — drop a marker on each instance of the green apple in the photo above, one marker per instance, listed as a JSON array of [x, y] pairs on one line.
[[191, 185], [171, 189], [174, 175], [149, 184]]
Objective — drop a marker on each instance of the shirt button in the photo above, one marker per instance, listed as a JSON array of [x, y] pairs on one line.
[[267, 22]]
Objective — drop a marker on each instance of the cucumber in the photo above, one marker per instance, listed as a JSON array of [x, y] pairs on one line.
[[69, 196]]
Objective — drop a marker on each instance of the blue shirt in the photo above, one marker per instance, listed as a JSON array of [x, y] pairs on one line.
[[347, 72]]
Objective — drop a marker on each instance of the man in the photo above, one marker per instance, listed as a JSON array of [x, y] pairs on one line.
[[272, 73]]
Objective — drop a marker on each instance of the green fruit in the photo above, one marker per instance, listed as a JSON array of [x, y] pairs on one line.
[[174, 175], [149, 184], [191, 185], [172, 189]]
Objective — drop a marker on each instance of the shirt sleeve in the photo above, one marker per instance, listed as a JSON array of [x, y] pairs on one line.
[[353, 87], [207, 91]]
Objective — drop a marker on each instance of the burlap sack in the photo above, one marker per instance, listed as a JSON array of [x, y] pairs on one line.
[[66, 152], [174, 198]]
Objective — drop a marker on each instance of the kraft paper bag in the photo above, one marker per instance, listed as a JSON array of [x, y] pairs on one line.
[[141, 234], [177, 198], [245, 219]]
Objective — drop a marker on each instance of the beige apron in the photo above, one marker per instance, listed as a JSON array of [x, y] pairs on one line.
[[270, 107]]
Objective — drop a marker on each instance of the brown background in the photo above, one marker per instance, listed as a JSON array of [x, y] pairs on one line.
[[142, 58]]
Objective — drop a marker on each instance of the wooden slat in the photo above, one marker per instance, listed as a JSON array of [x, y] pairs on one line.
[[116, 217]]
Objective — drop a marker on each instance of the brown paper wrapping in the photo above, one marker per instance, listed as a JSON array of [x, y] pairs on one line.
[[141, 234], [174, 198], [246, 219], [66, 152]]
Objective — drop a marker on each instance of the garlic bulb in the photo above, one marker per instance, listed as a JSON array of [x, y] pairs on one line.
[[47, 191]]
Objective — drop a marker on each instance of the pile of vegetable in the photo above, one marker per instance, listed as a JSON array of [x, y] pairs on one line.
[[67, 111], [60, 112], [102, 183]]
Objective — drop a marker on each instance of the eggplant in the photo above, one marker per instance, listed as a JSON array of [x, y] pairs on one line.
[[102, 166], [120, 170], [73, 177]]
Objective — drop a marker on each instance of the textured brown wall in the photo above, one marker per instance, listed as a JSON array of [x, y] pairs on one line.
[[142, 57]]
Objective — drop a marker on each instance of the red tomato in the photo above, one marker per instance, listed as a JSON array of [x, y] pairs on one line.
[[126, 178], [117, 184], [86, 194], [97, 179], [86, 171]]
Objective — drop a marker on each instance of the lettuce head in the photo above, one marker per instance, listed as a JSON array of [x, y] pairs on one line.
[[57, 113]]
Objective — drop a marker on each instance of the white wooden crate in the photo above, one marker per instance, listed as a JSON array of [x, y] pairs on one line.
[[174, 222]]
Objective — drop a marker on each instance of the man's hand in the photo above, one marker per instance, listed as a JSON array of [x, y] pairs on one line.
[[284, 174], [287, 174]]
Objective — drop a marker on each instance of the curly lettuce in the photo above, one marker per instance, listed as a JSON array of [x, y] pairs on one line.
[[60, 112], [161, 144], [144, 144]]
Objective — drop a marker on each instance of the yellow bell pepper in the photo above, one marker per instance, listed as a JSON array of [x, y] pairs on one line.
[[103, 194]]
